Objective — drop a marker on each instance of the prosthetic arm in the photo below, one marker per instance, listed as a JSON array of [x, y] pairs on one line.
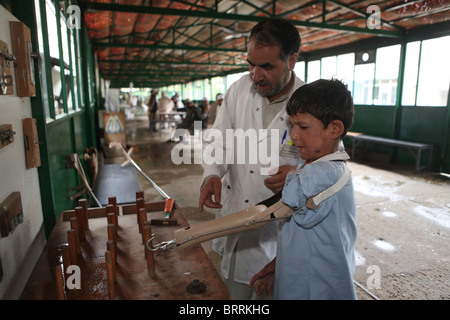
[[249, 219]]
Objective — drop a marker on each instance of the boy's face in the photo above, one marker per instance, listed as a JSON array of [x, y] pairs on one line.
[[312, 139]]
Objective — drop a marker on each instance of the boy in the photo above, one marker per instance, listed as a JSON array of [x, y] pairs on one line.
[[315, 258]]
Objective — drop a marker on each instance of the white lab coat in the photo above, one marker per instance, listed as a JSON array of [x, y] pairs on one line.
[[243, 184]]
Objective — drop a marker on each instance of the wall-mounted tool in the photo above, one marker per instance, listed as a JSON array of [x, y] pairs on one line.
[[6, 79], [24, 64], [33, 156], [72, 161], [11, 214], [6, 135]]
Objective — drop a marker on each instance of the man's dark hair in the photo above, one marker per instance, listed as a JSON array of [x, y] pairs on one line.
[[327, 100], [277, 31]]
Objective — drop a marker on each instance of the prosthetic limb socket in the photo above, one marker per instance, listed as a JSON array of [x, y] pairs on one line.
[[251, 218]]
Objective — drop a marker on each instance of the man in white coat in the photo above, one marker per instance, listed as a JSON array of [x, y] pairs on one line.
[[257, 103]]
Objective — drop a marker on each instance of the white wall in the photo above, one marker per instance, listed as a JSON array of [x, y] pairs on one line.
[[18, 251]]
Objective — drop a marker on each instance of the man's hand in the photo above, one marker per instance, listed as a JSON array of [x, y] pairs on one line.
[[264, 280], [212, 186], [276, 182]]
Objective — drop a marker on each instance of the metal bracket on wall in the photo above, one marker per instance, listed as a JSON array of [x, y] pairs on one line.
[[6, 135], [11, 213], [24, 64], [6, 79], [32, 153]]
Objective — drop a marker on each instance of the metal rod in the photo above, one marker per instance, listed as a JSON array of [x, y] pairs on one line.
[[157, 188], [130, 160]]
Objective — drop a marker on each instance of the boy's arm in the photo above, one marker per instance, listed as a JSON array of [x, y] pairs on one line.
[[311, 181]]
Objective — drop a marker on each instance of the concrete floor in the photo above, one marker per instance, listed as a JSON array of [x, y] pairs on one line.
[[403, 218]]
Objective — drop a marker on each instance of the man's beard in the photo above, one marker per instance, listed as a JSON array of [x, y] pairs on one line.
[[274, 89]]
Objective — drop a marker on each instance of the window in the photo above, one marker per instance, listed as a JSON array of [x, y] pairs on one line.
[[40, 33], [386, 75], [427, 73], [313, 71], [376, 76], [54, 56], [217, 86], [207, 89], [364, 77], [434, 72], [299, 69], [64, 76], [345, 69], [188, 92], [198, 90], [411, 73], [363, 86], [328, 68], [231, 78]]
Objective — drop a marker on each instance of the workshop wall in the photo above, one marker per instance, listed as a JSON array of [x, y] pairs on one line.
[[20, 249], [419, 124]]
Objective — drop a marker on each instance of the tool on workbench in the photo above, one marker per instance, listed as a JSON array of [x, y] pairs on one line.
[[167, 220]]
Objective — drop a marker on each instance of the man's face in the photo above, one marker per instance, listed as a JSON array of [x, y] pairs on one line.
[[268, 71]]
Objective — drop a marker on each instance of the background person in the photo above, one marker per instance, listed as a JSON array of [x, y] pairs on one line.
[[152, 104], [213, 110]]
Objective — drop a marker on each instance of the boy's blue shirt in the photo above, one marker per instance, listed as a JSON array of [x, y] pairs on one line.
[[315, 257]]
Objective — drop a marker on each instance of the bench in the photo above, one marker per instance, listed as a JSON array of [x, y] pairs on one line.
[[113, 180], [414, 148]]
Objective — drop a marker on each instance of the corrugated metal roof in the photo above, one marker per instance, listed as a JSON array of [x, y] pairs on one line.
[[162, 42]]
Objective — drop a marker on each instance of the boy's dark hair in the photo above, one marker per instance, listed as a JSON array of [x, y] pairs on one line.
[[277, 31], [327, 100]]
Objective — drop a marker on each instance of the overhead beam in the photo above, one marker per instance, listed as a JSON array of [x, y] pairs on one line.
[[227, 16], [169, 46], [174, 62]]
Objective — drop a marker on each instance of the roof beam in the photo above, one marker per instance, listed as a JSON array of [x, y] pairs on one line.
[[174, 62], [228, 16], [169, 46]]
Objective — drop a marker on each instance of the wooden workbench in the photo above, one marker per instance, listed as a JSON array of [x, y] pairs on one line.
[[175, 268]]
